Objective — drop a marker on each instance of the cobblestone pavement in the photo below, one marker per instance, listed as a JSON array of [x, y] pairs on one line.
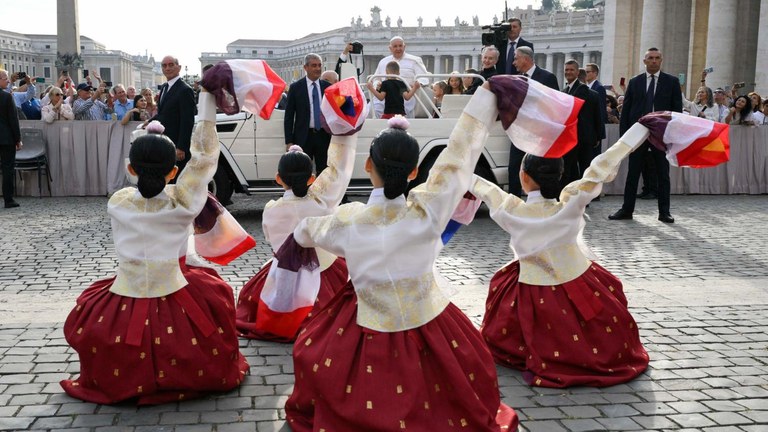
[[697, 289]]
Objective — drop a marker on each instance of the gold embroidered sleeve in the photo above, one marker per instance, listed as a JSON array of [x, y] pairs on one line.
[[603, 168], [492, 195], [329, 187], [450, 176]]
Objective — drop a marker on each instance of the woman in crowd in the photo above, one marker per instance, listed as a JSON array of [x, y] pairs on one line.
[[740, 112], [390, 351], [455, 84], [57, 109], [139, 111], [440, 88], [757, 106], [612, 106], [704, 106], [151, 102]]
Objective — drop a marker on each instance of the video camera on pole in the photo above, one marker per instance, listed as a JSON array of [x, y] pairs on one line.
[[495, 34], [348, 69]]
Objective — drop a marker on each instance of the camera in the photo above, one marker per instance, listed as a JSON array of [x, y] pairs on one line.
[[85, 73], [739, 85], [22, 75], [495, 34], [357, 48], [65, 72]]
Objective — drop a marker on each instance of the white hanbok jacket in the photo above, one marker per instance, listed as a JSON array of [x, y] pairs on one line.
[[151, 235], [391, 245]]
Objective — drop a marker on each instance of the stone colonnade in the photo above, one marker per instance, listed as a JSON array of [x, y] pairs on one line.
[[731, 36]]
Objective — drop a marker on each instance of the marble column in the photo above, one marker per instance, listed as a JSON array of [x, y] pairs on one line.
[[620, 34], [558, 71], [438, 64], [722, 38], [587, 58], [697, 54], [550, 62], [652, 32], [68, 40], [761, 68], [457, 66]]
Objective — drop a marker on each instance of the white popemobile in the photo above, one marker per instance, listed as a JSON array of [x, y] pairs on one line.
[[251, 146]]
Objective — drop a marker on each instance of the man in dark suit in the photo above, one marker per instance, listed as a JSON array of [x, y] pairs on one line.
[[589, 124], [507, 47], [302, 113], [524, 63], [647, 92], [176, 109], [593, 71], [10, 139]]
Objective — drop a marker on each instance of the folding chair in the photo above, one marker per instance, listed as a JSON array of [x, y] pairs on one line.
[[33, 156]]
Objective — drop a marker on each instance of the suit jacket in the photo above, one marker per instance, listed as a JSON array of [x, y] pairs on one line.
[[296, 122], [10, 133], [501, 65], [598, 87], [667, 97], [590, 123], [545, 77], [176, 112]]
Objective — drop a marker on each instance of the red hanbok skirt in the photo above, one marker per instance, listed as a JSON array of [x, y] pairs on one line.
[[332, 280], [576, 333], [439, 376], [155, 350]]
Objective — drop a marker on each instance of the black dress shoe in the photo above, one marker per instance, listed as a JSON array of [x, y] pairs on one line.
[[11, 204], [620, 215], [648, 195], [666, 218]]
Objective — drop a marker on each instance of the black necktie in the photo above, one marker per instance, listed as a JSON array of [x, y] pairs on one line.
[[567, 89], [316, 105], [510, 57], [163, 90], [649, 94]]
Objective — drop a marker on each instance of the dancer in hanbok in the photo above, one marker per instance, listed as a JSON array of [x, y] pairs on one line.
[[390, 351], [554, 312], [159, 331], [304, 196], [263, 310]]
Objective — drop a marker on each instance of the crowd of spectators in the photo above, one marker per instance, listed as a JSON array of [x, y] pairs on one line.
[[92, 99]]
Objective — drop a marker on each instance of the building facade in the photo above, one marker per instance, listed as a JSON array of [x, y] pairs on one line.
[[444, 47], [730, 36], [36, 54]]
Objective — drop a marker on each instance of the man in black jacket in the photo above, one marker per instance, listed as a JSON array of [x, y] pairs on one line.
[[302, 113], [507, 48], [10, 139], [176, 110], [589, 124], [647, 92], [524, 63]]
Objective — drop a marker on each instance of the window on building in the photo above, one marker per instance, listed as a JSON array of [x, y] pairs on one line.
[[106, 74], [82, 47], [269, 52], [46, 60], [47, 71], [47, 47], [253, 51], [34, 71], [237, 51]]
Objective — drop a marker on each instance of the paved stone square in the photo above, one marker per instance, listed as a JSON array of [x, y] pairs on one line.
[[697, 288]]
